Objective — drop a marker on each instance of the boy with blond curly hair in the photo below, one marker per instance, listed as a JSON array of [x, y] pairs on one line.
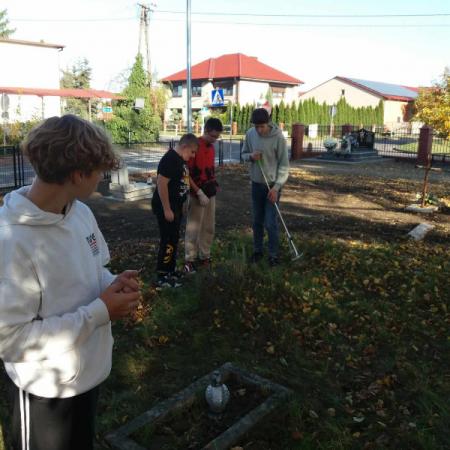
[[57, 299]]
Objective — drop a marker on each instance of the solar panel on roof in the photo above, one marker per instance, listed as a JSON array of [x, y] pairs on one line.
[[386, 88]]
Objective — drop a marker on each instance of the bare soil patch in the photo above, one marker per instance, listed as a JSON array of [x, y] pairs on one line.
[[359, 202]]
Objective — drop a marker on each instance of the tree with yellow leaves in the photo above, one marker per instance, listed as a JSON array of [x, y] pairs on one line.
[[433, 105]]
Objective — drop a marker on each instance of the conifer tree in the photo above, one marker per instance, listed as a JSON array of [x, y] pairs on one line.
[[78, 77], [243, 123], [294, 112], [301, 112], [287, 117], [281, 112], [275, 111]]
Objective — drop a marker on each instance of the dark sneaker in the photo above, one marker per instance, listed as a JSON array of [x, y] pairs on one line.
[[167, 281], [256, 257], [177, 274], [273, 261], [189, 268]]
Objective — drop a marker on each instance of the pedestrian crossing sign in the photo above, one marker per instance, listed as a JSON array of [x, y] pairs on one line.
[[217, 97]]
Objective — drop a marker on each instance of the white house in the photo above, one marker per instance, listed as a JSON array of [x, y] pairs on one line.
[[243, 79], [397, 99], [27, 64], [30, 79]]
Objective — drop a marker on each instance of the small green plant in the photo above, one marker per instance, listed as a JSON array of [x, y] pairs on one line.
[[429, 200]]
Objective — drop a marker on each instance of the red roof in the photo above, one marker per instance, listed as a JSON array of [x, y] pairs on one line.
[[234, 65], [77, 93]]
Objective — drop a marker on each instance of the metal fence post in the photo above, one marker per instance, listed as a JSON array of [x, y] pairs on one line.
[[424, 149], [220, 153], [14, 152], [21, 167], [346, 129]]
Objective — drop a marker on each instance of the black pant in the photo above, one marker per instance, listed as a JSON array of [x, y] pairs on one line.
[[40, 423], [168, 244]]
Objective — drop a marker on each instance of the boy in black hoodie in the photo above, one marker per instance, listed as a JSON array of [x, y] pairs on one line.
[[172, 187]]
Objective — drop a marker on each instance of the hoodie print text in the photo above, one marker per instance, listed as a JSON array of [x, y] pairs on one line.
[[92, 241]]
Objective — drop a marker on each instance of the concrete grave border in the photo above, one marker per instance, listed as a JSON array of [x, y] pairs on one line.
[[121, 440]]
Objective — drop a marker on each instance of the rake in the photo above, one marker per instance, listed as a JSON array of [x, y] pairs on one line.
[[295, 253]]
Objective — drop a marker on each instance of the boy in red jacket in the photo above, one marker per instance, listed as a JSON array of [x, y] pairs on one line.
[[201, 220]]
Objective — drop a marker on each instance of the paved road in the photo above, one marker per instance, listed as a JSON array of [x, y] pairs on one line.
[[146, 158]]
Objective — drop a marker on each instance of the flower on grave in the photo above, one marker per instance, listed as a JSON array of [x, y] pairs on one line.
[[430, 199], [330, 143]]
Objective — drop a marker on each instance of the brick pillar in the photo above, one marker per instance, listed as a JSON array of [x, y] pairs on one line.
[[298, 131], [347, 128], [197, 127], [425, 145], [234, 128]]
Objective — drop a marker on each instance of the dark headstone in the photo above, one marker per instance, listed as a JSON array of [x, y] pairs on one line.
[[365, 138]]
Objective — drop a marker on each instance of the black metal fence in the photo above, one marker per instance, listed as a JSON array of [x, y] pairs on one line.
[[15, 169], [399, 144]]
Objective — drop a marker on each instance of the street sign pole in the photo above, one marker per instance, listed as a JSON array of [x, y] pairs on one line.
[[333, 111], [189, 83]]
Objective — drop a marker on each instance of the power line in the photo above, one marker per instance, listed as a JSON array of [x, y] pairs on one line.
[[110, 19], [308, 15], [222, 14], [313, 25], [230, 22]]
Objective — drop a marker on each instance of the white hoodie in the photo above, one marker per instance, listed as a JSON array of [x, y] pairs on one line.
[[55, 331]]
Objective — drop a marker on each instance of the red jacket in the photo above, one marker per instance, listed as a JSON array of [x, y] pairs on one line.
[[201, 166]]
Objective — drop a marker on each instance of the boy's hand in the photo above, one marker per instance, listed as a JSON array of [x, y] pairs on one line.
[[202, 198], [169, 215], [129, 279], [256, 156], [272, 195], [119, 303]]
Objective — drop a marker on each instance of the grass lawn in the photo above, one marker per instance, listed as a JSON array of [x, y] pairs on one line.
[[440, 146], [359, 331]]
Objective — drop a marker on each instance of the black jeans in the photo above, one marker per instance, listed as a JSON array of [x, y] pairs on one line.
[[169, 233], [40, 423]]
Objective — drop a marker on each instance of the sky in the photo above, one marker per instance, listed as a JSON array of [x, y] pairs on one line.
[[403, 41]]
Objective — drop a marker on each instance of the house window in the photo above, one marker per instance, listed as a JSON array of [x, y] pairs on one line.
[[278, 92], [196, 90], [342, 92], [177, 90], [227, 87]]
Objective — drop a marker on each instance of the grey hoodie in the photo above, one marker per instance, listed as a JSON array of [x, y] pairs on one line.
[[55, 332], [275, 162]]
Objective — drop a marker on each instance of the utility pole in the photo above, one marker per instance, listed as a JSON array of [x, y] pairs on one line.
[[144, 22]]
